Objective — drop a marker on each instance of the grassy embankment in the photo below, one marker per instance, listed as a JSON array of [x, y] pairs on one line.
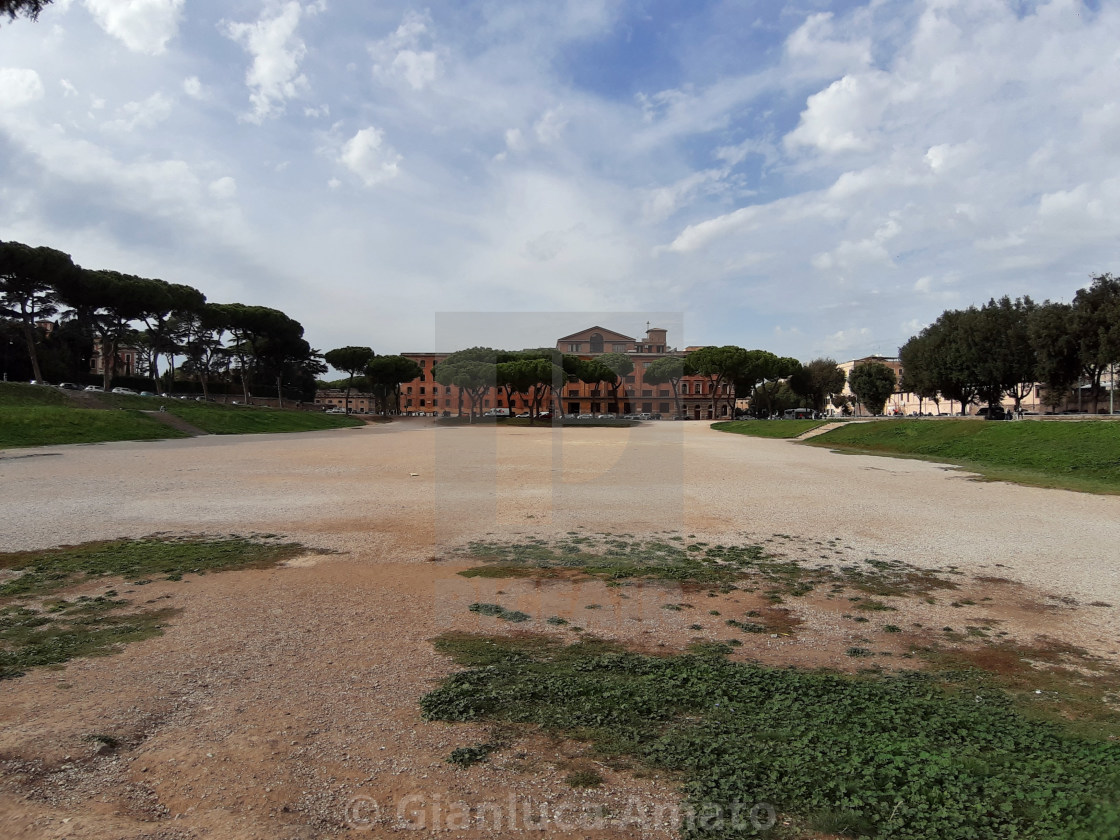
[[769, 428], [948, 750], [1083, 456], [42, 416]]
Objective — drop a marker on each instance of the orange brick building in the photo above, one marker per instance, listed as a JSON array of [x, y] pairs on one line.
[[425, 396]]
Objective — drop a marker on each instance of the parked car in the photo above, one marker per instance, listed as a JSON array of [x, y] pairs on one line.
[[148, 394], [92, 388], [997, 413], [120, 390], [69, 386], [585, 416], [606, 416]]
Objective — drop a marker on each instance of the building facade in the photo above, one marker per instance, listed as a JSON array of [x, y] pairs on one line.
[[635, 396]]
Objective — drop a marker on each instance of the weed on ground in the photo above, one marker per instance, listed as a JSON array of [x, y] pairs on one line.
[[906, 755], [39, 626]]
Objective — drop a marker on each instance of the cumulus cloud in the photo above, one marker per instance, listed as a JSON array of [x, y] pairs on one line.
[[144, 26], [367, 156], [144, 114], [844, 116], [19, 86], [816, 43], [192, 87], [223, 188], [402, 55], [274, 76]]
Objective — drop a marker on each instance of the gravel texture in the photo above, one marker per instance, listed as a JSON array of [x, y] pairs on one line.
[[279, 696]]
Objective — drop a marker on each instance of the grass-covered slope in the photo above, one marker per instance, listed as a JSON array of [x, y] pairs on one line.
[[1083, 455], [42, 416], [769, 428]]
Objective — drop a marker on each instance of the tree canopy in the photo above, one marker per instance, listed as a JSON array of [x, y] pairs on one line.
[[872, 383]]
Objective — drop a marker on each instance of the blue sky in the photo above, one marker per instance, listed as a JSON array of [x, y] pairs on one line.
[[812, 178]]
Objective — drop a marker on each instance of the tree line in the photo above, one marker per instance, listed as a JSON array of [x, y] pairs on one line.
[[538, 376], [252, 345], [1006, 347]]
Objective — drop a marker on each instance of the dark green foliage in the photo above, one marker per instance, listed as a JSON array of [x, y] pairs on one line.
[[28, 8], [498, 611], [468, 756], [583, 779], [872, 383], [908, 756]]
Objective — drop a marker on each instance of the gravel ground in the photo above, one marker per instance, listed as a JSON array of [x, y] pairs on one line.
[[277, 697]]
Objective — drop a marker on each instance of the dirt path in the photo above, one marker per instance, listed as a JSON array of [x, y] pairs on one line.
[[283, 703]]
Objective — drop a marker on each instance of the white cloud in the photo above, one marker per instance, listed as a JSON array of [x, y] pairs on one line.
[[366, 156], [401, 56], [223, 188], [843, 117], [550, 126], [143, 26], [814, 42], [68, 89], [274, 76], [192, 87], [19, 86], [146, 114]]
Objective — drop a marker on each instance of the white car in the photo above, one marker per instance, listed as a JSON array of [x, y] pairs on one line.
[[124, 391], [92, 388]]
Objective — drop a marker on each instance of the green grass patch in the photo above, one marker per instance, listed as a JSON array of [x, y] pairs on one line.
[[498, 611], [769, 428], [32, 415], [613, 559], [909, 756], [38, 627], [1083, 455], [42, 572], [50, 425]]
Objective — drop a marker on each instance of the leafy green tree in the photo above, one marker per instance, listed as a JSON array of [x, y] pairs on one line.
[[761, 378], [28, 8], [28, 289], [721, 366], [351, 361], [110, 303], [620, 365], [1057, 351], [872, 383], [473, 371], [1096, 323], [917, 371], [385, 375], [817, 381], [163, 321], [265, 341], [202, 344], [667, 370]]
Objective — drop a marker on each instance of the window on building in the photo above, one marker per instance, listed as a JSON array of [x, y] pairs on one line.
[[423, 363], [618, 348], [574, 347], [663, 408], [409, 391], [573, 393], [422, 378], [630, 379], [596, 343], [421, 403], [447, 389], [422, 391], [664, 392], [648, 392]]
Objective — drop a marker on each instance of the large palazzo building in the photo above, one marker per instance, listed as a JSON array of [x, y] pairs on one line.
[[425, 396]]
